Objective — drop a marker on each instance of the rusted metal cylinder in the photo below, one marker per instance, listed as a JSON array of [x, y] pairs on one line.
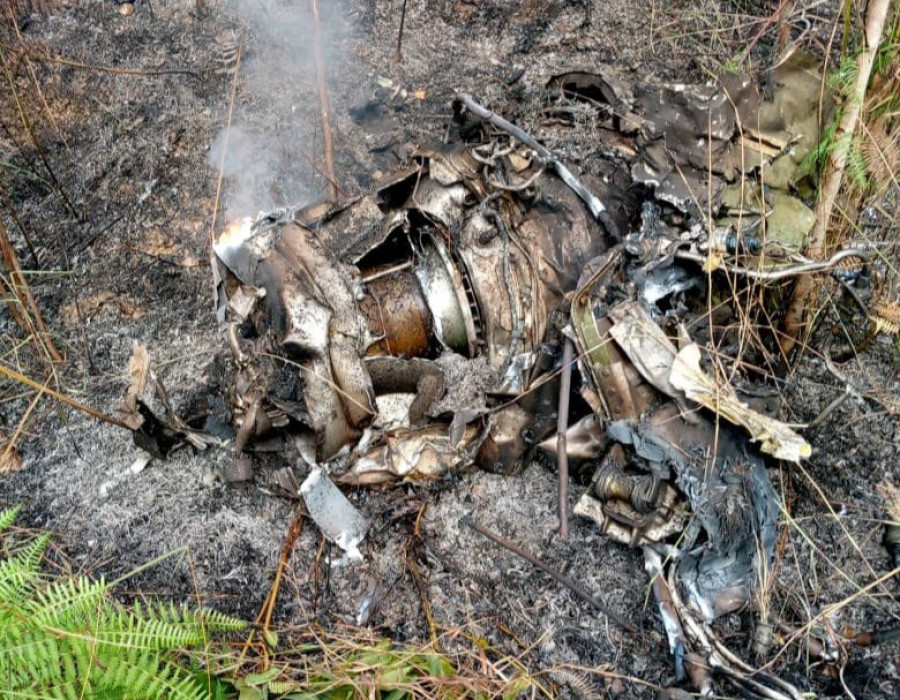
[[397, 314]]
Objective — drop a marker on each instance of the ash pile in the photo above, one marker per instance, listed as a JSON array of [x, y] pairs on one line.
[[483, 305]]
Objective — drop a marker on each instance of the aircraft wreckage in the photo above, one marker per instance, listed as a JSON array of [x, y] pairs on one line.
[[434, 323]]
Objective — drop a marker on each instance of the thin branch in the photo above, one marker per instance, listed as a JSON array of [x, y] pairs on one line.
[[804, 265], [221, 178], [30, 313], [27, 381], [398, 54], [150, 73], [29, 128]]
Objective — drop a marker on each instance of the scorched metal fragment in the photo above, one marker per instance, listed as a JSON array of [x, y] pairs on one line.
[[329, 310]]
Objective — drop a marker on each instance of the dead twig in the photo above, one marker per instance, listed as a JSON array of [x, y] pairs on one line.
[[94, 67], [597, 208], [413, 543], [27, 381], [8, 448], [549, 570], [806, 287], [221, 178], [804, 265], [29, 128], [762, 30], [264, 618], [324, 103], [34, 79]]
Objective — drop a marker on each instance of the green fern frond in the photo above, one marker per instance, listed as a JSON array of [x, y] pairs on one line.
[[856, 166], [66, 602], [7, 517], [68, 638], [20, 572], [146, 631], [131, 673], [844, 77]]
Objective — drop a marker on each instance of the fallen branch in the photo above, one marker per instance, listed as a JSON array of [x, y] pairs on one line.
[[62, 61], [805, 289], [597, 208]]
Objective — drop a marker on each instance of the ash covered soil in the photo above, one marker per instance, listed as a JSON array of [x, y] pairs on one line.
[[140, 105]]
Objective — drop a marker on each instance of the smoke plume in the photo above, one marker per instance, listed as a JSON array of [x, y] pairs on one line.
[[268, 154]]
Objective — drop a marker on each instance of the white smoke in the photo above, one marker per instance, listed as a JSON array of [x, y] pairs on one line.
[[274, 140]]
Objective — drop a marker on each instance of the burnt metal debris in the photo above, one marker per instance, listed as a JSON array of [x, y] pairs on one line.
[[421, 327]]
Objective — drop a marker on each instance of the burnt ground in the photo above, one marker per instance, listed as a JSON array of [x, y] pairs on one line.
[[136, 146]]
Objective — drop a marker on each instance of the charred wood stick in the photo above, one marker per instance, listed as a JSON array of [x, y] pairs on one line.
[[549, 570], [562, 425], [324, 103], [597, 208], [869, 639]]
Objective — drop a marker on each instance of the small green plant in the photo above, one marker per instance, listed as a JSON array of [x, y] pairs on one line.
[[67, 637]]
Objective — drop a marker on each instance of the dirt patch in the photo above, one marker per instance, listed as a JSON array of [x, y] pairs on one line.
[[137, 156]]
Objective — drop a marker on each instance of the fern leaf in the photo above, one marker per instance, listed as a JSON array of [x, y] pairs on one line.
[[129, 630], [19, 573], [8, 516], [68, 639], [66, 601], [881, 151], [219, 622], [856, 166], [147, 676]]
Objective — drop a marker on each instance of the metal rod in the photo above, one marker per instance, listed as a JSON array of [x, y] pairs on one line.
[[562, 425], [384, 273], [597, 208], [398, 54]]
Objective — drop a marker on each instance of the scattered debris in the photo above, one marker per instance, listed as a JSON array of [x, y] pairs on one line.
[[336, 517], [346, 321], [154, 434]]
